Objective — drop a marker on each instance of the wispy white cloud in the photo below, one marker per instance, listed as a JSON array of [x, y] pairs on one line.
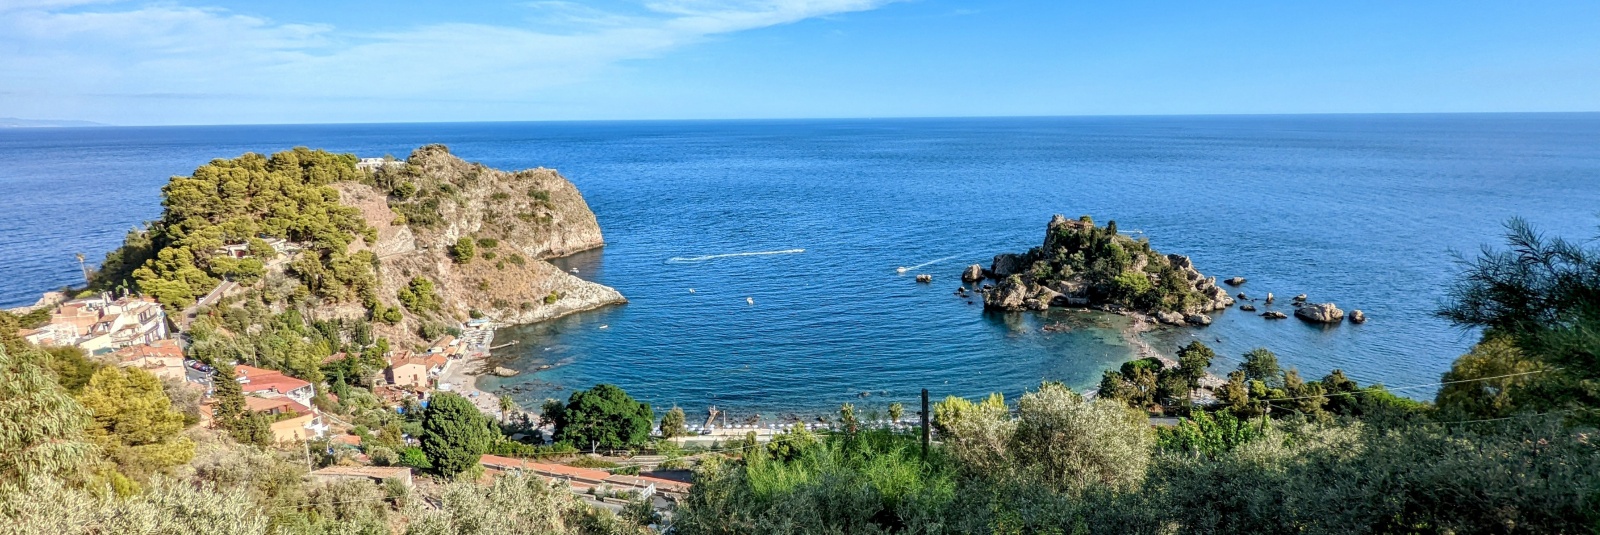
[[85, 49]]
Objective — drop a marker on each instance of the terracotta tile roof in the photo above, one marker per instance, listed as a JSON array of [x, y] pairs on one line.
[[158, 348], [258, 380], [406, 358], [261, 404]]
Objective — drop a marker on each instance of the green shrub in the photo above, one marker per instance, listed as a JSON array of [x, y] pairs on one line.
[[419, 295], [403, 190], [463, 250], [382, 456], [590, 461]]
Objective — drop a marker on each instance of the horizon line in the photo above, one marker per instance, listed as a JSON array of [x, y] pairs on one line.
[[98, 125]]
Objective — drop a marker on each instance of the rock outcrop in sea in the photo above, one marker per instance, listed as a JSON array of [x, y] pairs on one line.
[[1319, 313], [973, 273], [1084, 265]]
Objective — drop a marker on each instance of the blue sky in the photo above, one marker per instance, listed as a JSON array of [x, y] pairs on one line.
[[299, 61]]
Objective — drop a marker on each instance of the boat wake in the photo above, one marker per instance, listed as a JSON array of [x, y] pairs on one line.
[[924, 264], [687, 259]]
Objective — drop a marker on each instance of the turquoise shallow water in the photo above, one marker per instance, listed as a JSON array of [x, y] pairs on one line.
[[1359, 210]]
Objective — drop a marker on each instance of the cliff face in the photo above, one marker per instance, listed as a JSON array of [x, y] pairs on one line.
[[515, 221]]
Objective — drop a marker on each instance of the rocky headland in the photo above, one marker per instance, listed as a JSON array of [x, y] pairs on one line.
[[515, 220], [1082, 265], [410, 246]]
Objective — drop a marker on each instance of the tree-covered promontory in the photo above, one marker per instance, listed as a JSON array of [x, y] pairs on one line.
[[244, 201]]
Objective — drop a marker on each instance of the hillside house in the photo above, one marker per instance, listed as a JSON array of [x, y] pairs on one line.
[[101, 325], [291, 421], [414, 371], [260, 381], [162, 358]]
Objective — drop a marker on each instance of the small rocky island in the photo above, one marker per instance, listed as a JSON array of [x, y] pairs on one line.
[[1082, 265]]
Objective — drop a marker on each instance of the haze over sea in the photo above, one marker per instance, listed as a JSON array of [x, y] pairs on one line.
[[1359, 210]]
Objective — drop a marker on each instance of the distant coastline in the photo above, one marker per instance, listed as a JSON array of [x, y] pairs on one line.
[[13, 122]]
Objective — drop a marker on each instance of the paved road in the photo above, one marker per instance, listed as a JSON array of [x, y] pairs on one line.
[[197, 376]]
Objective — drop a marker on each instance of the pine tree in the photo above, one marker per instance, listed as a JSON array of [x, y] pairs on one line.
[[454, 433], [134, 420], [672, 424], [230, 413], [230, 398]]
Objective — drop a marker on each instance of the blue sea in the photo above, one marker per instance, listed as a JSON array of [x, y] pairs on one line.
[[1363, 211]]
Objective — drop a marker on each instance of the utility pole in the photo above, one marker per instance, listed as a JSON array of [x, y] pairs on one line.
[[924, 424]]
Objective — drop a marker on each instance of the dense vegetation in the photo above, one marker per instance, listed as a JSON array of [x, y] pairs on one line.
[[1538, 304], [113, 456], [603, 417], [1055, 463], [241, 201]]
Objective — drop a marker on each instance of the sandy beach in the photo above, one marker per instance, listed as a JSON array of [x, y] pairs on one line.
[[461, 375]]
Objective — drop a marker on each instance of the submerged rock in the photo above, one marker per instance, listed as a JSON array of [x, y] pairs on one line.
[[1319, 313], [1274, 315], [1247, 307]]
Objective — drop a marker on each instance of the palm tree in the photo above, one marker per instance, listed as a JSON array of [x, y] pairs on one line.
[[85, 268], [506, 404]]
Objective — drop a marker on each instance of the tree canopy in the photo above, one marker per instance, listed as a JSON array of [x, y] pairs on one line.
[[41, 426], [134, 421], [239, 201], [455, 433], [1541, 295], [604, 417]]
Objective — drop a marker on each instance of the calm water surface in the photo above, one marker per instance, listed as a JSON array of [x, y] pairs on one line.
[[1359, 210]]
